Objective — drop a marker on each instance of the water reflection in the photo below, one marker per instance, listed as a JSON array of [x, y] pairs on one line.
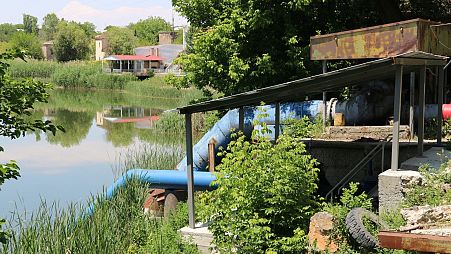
[[73, 165]]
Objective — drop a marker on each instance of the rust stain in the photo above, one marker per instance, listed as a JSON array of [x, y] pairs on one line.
[[382, 41], [415, 242]]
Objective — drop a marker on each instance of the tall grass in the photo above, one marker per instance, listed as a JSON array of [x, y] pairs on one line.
[[116, 226], [150, 156], [32, 68]]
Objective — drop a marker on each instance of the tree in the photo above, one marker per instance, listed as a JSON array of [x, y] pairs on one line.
[[7, 30], [16, 102], [71, 42], [89, 28], [30, 24], [121, 40], [28, 42], [147, 30], [244, 45], [49, 26]]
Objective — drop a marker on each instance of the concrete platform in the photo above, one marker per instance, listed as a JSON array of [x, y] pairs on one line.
[[369, 132], [434, 157], [200, 236]]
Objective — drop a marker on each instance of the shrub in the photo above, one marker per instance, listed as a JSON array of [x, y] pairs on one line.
[[265, 195], [431, 189]]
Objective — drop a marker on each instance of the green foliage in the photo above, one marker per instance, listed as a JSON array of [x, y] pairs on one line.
[[265, 195], [240, 46], [147, 30], [121, 41], [76, 124], [304, 127], [7, 30], [49, 26], [71, 42], [431, 189], [28, 42], [30, 24], [4, 46]]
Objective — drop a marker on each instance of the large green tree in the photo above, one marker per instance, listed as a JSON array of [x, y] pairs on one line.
[[121, 40], [28, 42], [147, 29], [243, 45], [49, 26], [71, 42], [16, 104], [30, 24]]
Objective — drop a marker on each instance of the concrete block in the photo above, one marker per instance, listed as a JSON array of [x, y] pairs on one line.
[[392, 186], [200, 236]]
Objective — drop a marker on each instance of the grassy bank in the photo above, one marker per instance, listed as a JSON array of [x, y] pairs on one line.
[[80, 74], [117, 225]]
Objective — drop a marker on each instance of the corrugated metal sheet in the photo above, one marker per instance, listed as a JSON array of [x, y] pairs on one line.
[[383, 41], [297, 90]]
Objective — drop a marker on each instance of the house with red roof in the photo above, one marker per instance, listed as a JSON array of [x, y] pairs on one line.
[[139, 65]]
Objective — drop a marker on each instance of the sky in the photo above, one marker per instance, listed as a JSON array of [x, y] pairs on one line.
[[100, 12]]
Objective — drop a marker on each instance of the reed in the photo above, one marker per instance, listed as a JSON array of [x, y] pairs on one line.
[[117, 225]]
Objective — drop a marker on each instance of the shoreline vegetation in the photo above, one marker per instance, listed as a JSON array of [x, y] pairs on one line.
[[89, 75]]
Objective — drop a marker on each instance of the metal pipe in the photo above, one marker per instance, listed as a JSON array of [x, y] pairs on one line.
[[441, 78], [324, 98], [396, 118], [189, 171], [241, 119], [277, 121], [421, 104], [412, 103]]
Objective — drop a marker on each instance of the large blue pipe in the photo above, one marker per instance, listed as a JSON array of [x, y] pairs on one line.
[[177, 179], [222, 129]]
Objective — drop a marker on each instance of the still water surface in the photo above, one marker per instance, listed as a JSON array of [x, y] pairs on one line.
[[71, 166]]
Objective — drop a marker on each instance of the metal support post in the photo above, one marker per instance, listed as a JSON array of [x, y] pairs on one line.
[[412, 103], [241, 119], [421, 98], [324, 98], [396, 118], [277, 121], [189, 169], [441, 79]]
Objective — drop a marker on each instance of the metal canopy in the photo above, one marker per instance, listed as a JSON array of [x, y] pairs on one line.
[[298, 89]]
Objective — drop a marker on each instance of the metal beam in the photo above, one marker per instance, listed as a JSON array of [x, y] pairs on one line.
[[324, 98], [441, 80], [396, 118], [419, 61], [421, 105], [277, 121], [415, 242], [412, 103], [241, 119], [189, 170]]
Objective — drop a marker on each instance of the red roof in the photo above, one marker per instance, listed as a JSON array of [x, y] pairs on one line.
[[136, 58]]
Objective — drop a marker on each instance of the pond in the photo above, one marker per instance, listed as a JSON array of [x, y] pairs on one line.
[[101, 130]]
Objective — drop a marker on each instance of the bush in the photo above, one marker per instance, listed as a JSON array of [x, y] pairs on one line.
[[265, 195], [431, 190]]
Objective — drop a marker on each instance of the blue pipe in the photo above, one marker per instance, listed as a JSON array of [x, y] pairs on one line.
[[222, 129], [177, 179]]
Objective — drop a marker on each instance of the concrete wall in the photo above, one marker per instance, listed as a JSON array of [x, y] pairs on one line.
[[338, 158]]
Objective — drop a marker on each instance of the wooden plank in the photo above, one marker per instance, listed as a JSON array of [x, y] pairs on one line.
[[415, 242]]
